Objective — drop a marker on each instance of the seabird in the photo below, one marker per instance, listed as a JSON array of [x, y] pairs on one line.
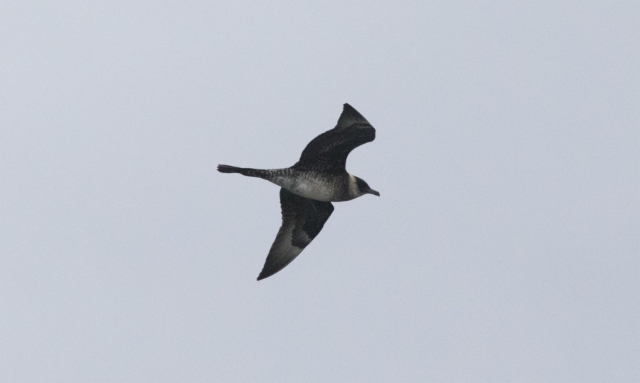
[[309, 186]]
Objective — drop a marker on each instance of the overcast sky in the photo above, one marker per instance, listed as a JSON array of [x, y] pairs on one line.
[[504, 246]]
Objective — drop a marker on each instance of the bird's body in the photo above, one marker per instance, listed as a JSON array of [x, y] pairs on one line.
[[313, 184], [309, 186]]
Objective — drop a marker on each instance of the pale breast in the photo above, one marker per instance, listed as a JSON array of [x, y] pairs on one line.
[[316, 186]]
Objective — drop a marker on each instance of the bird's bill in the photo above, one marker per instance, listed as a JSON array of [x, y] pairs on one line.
[[371, 191]]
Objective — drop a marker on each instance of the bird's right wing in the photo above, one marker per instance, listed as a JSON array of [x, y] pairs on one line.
[[302, 220], [328, 152]]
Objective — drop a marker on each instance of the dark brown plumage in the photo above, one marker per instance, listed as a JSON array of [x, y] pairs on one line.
[[309, 186]]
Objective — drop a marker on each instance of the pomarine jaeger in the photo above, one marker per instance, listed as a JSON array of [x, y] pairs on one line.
[[309, 186]]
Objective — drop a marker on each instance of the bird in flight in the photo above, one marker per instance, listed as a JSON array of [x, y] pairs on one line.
[[309, 186]]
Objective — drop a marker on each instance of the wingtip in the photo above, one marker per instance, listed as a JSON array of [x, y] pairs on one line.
[[346, 107], [263, 275], [350, 115], [266, 272]]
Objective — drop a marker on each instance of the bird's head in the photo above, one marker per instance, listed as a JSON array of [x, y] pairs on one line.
[[363, 187]]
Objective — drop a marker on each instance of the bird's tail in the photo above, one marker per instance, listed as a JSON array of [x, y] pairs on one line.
[[244, 171]]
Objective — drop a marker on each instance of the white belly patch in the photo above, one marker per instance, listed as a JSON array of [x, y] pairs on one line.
[[307, 187]]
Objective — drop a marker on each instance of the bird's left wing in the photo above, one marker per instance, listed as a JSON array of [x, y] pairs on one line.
[[328, 152], [302, 220]]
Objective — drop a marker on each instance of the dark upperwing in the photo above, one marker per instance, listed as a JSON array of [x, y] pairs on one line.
[[328, 152], [302, 220]]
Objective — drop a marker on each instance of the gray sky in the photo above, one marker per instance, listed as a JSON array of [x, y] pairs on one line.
[[504, 246]]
